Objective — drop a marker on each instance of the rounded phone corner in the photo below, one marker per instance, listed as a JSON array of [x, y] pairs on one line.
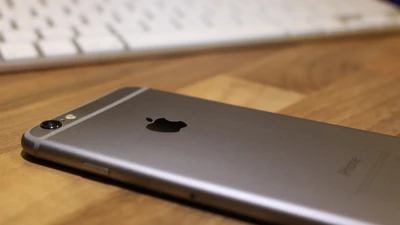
[[29, 142]]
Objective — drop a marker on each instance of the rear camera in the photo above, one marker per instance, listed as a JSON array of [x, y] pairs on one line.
[[51, 124]]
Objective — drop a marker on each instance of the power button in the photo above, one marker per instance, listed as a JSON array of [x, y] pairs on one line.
[[94, 168]]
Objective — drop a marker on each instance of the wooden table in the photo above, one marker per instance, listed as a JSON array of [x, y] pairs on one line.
[[353, 82]]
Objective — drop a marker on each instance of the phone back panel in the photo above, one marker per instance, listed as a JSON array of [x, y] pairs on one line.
[[322, 172]]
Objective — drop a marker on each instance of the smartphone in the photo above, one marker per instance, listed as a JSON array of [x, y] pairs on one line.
[[267, 166]]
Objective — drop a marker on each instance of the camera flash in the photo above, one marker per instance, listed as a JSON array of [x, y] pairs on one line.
[[70, 117]]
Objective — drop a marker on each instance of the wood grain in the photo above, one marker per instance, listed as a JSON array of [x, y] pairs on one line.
[[241, 92], [352, 82]]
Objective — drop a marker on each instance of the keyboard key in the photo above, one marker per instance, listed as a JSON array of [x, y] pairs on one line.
[[57, 33], [30, 23], [92, 45], [132, 28], [20, 36], [65, 21], [5, 25], [301, 28], [14, 52], [58, 48], [191, 23], [93, 31], [160, 26], [187, 40]]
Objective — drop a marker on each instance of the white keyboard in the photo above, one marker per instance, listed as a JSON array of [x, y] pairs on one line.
[[51, 33]]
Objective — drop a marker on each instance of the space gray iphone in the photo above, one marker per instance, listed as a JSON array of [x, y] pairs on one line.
[[263, 165]]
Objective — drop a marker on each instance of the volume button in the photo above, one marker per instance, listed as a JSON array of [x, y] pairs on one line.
[[94, 168]]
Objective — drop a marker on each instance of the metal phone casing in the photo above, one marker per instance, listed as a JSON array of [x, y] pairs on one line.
[[264, 165]]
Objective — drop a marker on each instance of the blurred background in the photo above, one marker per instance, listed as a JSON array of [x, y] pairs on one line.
[[49, 34]]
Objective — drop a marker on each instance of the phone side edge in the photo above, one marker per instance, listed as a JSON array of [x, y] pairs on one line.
[[29, 143], [183, 191]]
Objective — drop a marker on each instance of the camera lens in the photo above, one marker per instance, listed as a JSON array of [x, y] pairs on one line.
[[51, 124]]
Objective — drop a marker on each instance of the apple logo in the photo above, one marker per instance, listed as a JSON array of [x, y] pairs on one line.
[[164, 125]]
